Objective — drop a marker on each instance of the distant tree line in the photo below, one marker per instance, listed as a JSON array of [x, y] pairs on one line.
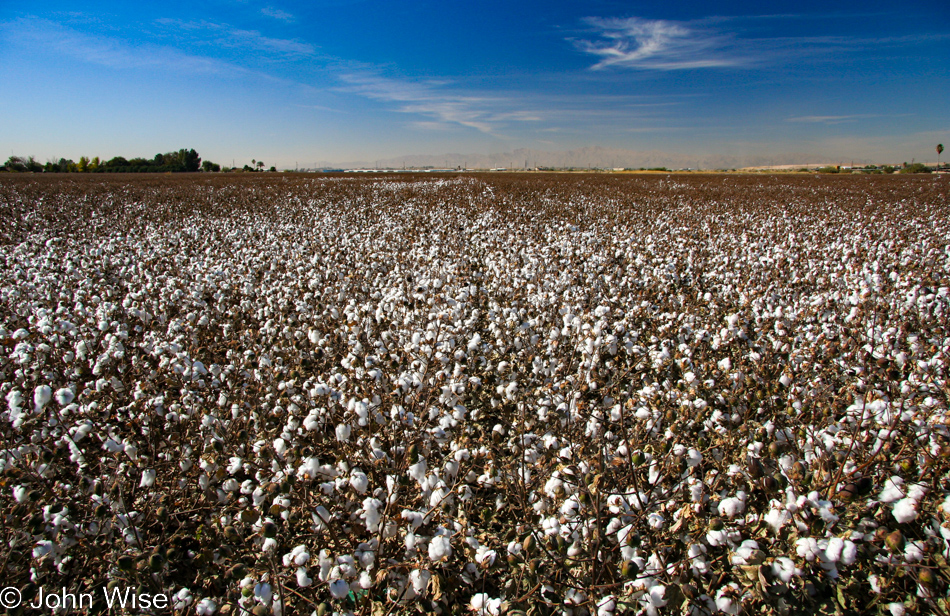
[[171, 162]]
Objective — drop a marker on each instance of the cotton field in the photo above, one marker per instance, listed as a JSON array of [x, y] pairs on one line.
[[485, 394]]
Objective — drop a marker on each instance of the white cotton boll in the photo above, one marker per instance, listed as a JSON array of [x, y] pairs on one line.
[[777, 517], [807, 548], [696, 560], [182, 599], [263, 592], [339, 589], [916, 491], [483, 605], [849, 553], [834, 549], [897, 609], [655, 598], [112, 446], [485, 556], [65, 396], [41, 397], [148, 478], [371, 513], [905, 510], [206, 607], [606, 606], [440, 548], [726, 603], [343, 432], [359, 481], [746, 554], [311, 422], [19, 493], [419, 578], [303, 579], [269, 545], [784, 569], [365, 580], [42, 548], [732, 507], [418, 470], [656, 521], [893, 490], [725, 364], [914, 552]]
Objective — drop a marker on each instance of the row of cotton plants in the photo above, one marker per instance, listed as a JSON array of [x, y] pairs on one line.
[[489, 394]]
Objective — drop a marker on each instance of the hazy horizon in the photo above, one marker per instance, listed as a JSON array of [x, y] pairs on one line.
[[361, 81]]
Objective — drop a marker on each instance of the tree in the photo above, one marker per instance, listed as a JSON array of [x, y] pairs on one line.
[[260, 165], [939, 152], [190, 159], [15, 163]]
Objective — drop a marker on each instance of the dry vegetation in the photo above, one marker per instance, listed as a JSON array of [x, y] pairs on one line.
[[543, 395]]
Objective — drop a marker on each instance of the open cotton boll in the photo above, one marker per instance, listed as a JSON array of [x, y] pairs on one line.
[[339, 589], [747, 553], [359, 481], [64, 396], [343, 432], [41, 397], [905, 510], [206, 607], [419, 578], [807, 548], [483, 605], [418, 470], [784, 569], [893, 490], [726, 601], [732, 507], [148, 478], [606, 606], [440, 548], [897, 609], [303, 579], [371, 513]]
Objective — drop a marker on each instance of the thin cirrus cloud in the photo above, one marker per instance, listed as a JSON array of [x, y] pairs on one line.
[[486, 114], [831, 119], [269, 11], [224, 36], [658, 44], [108, 51]]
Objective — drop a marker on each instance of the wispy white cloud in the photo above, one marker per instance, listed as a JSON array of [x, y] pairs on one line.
[[441, 104], [269, 11], [658, 44], [109, 51], [225, 36], [830, 119], [432, 100]]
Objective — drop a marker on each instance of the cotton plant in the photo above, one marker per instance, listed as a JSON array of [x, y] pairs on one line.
[[426, 388]]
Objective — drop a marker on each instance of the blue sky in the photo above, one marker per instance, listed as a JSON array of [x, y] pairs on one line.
[[342, 80]]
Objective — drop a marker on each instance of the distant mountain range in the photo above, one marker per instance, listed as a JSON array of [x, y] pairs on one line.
[[581, 158]]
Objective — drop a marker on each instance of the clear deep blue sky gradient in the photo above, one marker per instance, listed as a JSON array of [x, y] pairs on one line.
[[339, 80]]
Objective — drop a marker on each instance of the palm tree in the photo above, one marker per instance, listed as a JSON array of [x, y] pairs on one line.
[[939, 152]]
